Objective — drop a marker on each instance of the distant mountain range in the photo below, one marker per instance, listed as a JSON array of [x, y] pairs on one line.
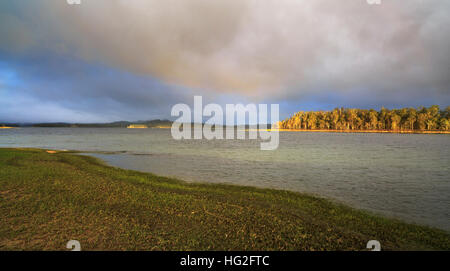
[[116, 124]]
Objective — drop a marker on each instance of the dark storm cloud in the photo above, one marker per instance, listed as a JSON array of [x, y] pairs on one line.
[[130, 54], [52, 88]]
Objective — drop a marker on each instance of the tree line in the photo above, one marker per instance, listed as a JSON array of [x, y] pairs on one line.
[[422, 118]]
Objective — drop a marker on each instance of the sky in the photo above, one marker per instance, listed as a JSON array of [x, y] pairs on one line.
[[110, 60]]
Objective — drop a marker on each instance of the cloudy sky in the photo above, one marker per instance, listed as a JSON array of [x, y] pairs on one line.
[[107, 60]]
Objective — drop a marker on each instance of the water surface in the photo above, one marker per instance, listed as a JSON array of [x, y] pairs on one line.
[[399, 175]]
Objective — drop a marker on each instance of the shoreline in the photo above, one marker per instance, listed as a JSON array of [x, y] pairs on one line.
[[359, 131], [199, 216], [279, 130]]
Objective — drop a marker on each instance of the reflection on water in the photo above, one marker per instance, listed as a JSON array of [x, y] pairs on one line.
[[404, 176]]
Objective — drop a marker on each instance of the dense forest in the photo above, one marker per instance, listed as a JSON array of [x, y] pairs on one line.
[[423, 118]]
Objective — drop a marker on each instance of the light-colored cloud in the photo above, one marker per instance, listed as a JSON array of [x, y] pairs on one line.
[[251, 46]]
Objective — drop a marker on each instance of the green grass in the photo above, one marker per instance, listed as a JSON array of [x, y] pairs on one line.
[[49, 199]]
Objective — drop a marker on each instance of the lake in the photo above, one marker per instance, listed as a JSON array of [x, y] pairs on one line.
[[405, 176]]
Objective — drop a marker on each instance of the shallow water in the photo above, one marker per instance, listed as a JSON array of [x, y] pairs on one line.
[[398, 175]]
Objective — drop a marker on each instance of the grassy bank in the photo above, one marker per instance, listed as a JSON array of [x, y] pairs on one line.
[[47, 199]]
